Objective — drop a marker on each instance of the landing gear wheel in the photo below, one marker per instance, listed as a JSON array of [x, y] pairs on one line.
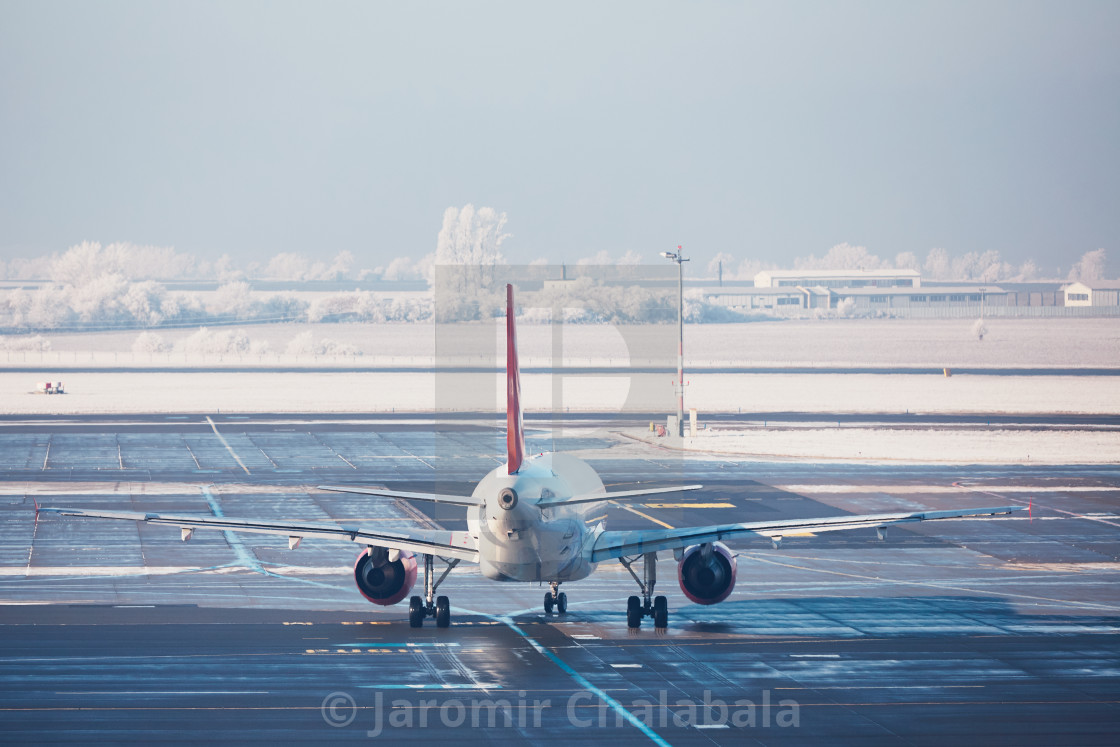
[[634, 613], [562, 603], [416, 612], [443, 612], [660, 612], [548, 602]]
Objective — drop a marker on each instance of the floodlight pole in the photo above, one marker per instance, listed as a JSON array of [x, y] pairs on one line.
[[680, 259]]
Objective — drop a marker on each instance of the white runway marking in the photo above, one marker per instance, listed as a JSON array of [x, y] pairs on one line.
[[226, 444], [162, 692], [922, 489]]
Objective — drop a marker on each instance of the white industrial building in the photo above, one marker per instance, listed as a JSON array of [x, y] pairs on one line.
[[796, 300], [838, 279], [1083, 294], [794, 293]]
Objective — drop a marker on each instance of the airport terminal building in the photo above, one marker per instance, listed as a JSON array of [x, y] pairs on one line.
[[901, 293]]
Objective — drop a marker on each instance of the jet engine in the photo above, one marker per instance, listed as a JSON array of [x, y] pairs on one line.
[[385, 581], [707, 573]]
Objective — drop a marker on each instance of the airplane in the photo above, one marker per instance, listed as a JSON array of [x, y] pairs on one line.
[[528, 521]]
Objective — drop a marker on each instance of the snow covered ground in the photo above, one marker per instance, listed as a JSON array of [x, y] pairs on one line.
[[373, 391], [1037, 343], [934, 343], [894, 445]]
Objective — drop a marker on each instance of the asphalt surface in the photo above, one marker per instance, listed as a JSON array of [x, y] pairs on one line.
[[996, 631]]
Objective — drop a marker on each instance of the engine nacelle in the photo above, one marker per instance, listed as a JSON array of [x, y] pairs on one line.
[[707, 573], [383, 581]]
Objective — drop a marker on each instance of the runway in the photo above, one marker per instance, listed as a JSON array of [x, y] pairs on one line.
[[998, 631]]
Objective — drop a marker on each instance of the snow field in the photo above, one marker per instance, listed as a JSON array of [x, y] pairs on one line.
[[366, 392]]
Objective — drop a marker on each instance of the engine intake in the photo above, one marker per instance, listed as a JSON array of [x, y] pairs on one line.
[[707, 573], [382, 581]]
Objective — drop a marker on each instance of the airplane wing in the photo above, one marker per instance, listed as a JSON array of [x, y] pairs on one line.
[[458, 500], [596, 497], [445, 544], [620, 544]]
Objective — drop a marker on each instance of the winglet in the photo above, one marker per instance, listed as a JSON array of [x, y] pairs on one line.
[[515, 436]]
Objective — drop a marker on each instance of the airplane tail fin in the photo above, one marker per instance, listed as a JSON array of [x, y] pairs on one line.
[[515, 435]]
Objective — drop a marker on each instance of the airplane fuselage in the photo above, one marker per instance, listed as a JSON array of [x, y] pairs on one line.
[[525, 542]]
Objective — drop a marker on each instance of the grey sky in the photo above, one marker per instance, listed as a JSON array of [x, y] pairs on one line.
[[767, 130]]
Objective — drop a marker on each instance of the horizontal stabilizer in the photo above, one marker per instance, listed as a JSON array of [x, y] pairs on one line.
[[598, 497], [457, 500]]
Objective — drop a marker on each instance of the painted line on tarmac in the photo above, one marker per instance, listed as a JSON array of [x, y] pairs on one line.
[[226, 444]]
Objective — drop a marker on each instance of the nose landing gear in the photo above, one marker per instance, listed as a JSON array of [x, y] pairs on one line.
[[554, 598]]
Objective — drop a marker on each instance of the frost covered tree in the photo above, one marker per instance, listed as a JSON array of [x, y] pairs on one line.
[[907, 261], [148, 342], [1028, 271], [938, 265], [1090, 267], [46, 308], [36, 343], [78, 265], [233, 299], [403, 268], [144, 302], [85, 262], [470, 242], [846, 307], [305, 344], [218, 342], [841, 257], [287, 266], [471, 237], [99, 299], [340, 268], [224, 270]]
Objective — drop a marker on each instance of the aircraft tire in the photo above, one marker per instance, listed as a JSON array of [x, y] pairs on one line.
[[416, 612], [548, 602], [660, 612], [443, 612], [634, 613], [562, 603]]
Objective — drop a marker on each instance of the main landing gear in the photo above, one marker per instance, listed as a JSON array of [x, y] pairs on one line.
[[553, 598], [430, 605], [648, 605]]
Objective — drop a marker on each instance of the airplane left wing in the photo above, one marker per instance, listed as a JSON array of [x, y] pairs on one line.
[[422, 541], [637, 542]]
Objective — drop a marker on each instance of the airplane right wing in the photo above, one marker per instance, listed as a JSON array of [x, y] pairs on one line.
[[621, 544], [421, 541]]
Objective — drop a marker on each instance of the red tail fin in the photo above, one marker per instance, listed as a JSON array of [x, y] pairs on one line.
[[515, 436]]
